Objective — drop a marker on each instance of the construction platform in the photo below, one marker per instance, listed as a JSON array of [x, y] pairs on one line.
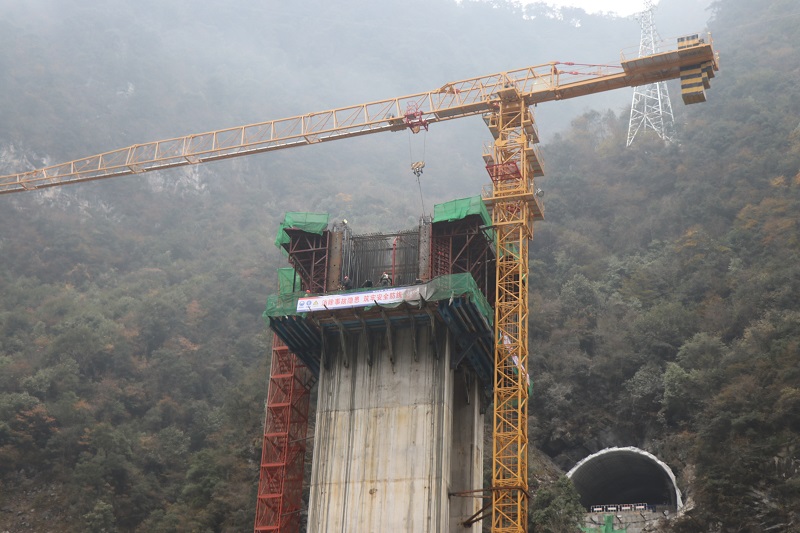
[[319, 328], [442, 277]]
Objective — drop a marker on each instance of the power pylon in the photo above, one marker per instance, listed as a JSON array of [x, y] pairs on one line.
[[651, 108]]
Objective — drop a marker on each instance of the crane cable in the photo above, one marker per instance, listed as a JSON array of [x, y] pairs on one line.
[[417, 166]]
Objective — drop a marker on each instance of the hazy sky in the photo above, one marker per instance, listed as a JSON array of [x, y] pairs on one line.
[[621, 8]]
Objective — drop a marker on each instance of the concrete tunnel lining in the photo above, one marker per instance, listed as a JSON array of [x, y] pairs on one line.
[[625, 475]]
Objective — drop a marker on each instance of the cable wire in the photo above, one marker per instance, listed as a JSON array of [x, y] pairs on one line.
[[417, 166]]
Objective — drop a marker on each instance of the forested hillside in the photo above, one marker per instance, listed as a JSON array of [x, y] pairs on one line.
[[133, 360], [666, 312]]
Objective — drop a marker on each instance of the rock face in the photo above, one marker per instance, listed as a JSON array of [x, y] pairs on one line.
[[32, 504], [16, 159], [182, 181]]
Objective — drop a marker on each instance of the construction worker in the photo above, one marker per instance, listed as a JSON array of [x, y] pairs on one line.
[[347, 283], [385, 280]]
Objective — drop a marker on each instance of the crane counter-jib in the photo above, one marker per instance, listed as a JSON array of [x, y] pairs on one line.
[[639, 71]]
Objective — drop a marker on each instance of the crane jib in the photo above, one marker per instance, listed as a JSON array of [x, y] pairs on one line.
[[694, 59]]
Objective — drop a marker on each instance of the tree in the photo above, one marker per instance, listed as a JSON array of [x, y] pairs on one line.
[[556, 508], [101, 518]]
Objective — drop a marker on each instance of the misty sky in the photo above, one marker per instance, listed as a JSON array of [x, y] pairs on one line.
[[621, 8]]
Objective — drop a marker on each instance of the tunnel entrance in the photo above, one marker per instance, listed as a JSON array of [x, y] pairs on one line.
[[625, 476]]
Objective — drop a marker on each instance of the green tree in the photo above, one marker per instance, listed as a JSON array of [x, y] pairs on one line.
[[643, 393], [681, 397], [101, 518], [556, 508]]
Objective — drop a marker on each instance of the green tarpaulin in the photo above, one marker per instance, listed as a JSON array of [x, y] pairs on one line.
[[607, 527], [288, 281], [441, 288], [309, 222], [458, 209]]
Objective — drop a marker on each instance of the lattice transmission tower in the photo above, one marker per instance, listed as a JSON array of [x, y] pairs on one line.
[[651, 108]]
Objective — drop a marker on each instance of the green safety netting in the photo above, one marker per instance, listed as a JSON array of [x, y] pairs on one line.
[[512, 249], [461, 208], [607, 527], [288, 280], [310, 222], [441, 288]]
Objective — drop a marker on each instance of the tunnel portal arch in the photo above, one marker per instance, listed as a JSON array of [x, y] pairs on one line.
[[625, 475]]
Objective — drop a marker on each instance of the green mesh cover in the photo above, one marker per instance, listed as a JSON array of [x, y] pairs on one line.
[[310, 222], [458, 209], [441, 288], [288, 280], [607, 527], [512, 250]]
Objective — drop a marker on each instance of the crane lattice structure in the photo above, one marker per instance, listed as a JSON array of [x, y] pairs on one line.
[[512, 165], [504, 100], [651, 107]]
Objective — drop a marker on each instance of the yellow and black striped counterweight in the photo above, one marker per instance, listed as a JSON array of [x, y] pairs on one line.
[[694, 78]]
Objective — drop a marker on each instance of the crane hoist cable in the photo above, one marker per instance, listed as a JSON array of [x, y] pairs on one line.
[[419, 186], [418, 166]]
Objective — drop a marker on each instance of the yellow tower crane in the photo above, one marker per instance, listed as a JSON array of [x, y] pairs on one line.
[[505, 100]]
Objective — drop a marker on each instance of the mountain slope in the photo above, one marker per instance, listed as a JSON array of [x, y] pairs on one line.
[[132, 356]]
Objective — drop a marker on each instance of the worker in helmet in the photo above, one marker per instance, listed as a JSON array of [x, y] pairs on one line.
[[385, 280], [347, 283]]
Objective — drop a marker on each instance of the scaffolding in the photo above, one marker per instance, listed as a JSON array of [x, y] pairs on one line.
[[306, 239], [462, 241], [280, 489], [279, 502]]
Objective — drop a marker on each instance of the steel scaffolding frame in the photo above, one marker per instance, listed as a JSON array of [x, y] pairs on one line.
[[308, 254], [280, 488], [464, 246]]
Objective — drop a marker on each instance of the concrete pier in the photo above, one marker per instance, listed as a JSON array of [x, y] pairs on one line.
[[405, 370], [393, 440]]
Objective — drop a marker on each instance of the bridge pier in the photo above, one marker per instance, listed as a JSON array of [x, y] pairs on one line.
[[394, 438]]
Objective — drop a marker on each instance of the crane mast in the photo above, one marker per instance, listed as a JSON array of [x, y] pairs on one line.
[[504, 100], [512, 165]]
